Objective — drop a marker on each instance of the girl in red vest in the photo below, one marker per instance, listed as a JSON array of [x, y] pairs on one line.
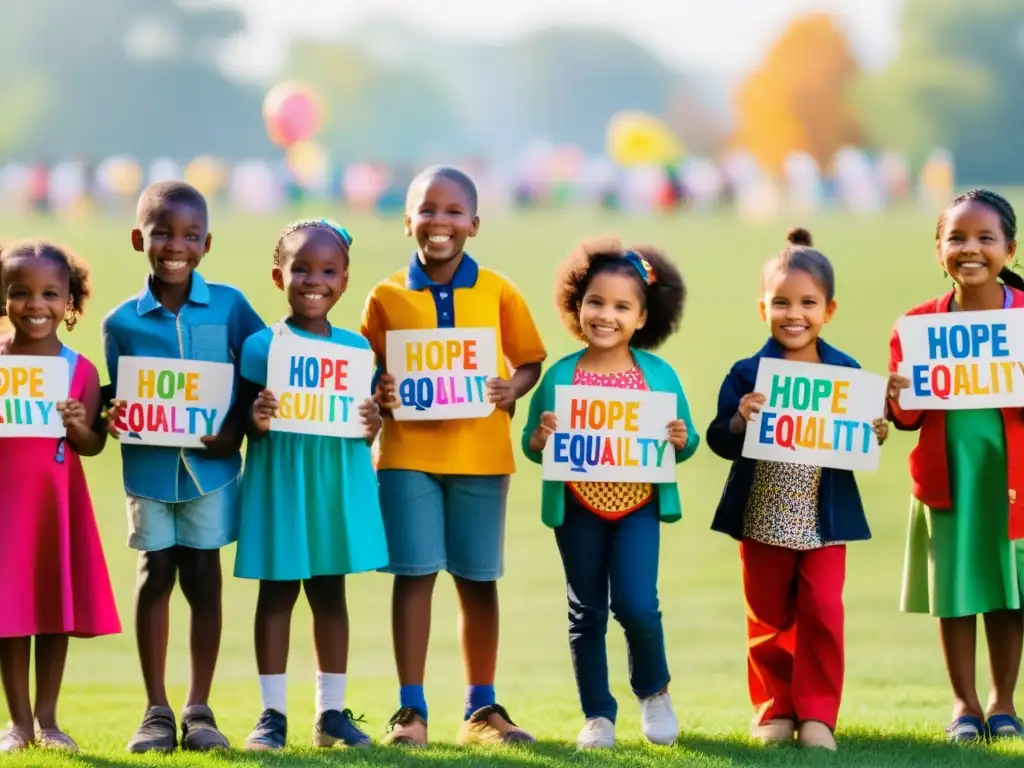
[[964, 554]]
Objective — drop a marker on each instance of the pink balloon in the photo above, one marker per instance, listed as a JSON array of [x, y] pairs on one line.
[[291, 114]]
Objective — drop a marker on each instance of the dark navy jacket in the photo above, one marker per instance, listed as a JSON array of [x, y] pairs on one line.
[[840, 511]]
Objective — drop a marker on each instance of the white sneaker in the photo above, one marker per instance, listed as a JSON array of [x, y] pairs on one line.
[[598, 733], [658, 720]]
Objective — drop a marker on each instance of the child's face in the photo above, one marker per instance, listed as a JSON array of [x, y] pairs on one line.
[[796, 308], [612, 310], [313, 273], [36, 295], [439, 217], [175, 239], [972, 248]]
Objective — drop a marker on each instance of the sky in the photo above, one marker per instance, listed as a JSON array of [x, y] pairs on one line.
[[725, 37]]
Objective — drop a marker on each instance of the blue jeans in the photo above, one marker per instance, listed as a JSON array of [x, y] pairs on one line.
[[617, 562]]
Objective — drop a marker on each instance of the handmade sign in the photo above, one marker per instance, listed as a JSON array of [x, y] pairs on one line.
[[442, 373], [962, 360], [611, 435], [319, 386], [30, 388], [816, 414], [172, 402]]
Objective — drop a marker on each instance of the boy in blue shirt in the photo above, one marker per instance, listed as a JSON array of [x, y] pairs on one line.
[[182, 503]]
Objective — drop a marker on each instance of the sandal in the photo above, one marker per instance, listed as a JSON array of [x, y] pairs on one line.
[[15, 740], [55, 739]]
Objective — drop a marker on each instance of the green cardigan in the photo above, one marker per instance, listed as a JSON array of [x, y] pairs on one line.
[[660, 378]]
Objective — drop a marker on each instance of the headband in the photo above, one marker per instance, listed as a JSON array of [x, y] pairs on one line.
[[642, 266]]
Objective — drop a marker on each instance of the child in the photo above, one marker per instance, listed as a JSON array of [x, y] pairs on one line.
[[792, 520], [310, 512], [619, 303], [443, 484], [182, 503], [53, 576], [964, 554]]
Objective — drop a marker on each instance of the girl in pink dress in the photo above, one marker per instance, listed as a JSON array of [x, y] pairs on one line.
[[53, 576]]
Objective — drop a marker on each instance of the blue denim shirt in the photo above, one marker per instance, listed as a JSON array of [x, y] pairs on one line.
[[212, 325]]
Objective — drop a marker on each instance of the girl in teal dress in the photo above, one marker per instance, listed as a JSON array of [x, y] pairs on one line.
[[310, 512], [962, 556]]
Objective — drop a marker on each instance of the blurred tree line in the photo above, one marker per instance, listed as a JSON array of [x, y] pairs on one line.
[[139, 77]]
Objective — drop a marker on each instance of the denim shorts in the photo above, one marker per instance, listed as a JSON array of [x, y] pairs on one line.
[[209, 522], [453, 523]]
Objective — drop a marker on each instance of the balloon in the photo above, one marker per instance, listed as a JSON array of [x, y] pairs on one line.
[[308, 163], [207, 174], [119, 176], [292, 113], [635, 138]]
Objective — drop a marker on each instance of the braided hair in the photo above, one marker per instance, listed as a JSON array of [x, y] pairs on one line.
[[338, 231], [1007, 219]]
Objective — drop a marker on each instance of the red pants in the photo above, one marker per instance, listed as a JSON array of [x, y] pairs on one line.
[[794, 630]]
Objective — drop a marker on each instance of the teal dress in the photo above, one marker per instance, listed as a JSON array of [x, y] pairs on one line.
[[961, 561], [309, 503]]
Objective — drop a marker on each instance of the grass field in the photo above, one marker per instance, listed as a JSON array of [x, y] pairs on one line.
[[897, 699]]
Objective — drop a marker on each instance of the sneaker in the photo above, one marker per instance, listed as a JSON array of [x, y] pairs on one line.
[[1005, 727], [333, 727], [15, 740], [965, 728], [270, 733], [55, 739], [658, 719], [778, 729], [406, 728], [199, 730], [816, 735], [492, 725], [158, 732], [597, 733]]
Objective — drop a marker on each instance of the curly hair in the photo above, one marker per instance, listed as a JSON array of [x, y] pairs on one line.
[[78, 272], [340, 233], [800, 255], [662, 289], [1007, 220]]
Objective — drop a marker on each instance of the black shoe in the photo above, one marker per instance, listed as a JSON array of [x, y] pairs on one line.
[[199, 730], [158, 732], [270, 733], [333, 727]]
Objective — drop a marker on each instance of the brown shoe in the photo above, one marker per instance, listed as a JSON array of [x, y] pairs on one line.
[[815, 734], [407, 728], [777, 729], [492, 725]]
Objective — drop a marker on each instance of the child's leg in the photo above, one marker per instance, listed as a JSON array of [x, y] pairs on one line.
[[51, 654], [769, 574], [201, 583], [959, 641], [410, 622], [583, 542], [819, 660], [15, 656], [272, 629], [1004, 631], [478, 635], [157, 572]]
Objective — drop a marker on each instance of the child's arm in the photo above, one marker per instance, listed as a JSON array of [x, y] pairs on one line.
[[533, 421], [906, 421], [683, 415], [80, 416], [723, 437]]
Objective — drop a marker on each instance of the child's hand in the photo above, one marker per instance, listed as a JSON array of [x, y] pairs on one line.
[[678, 434], [750, 404], [881, 428], [73, 414], [263, 410], [114, 415], [501, 393], [386, 395], [897, 383], [370, 413], [226, 442], [546, 428]]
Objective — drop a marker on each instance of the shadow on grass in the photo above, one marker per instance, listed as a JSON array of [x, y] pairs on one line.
[[855, 750]]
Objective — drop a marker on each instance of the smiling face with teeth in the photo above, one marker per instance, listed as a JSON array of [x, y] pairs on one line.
[[972, 246], [440, 216], [175, 237], [612, 310], [36, 294], [313, 272], [795, 307]]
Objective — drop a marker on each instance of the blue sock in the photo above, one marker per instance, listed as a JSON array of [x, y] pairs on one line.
[[477, 697], [412, 696]]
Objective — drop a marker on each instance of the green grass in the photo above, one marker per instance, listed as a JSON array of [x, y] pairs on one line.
[[897, 698]]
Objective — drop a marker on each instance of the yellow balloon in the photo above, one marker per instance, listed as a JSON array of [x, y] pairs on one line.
[[636, 138], [207, 174], [308, 161]]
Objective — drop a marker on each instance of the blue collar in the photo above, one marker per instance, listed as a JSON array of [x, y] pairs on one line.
[[465, 274], [829, 355], [199, 293]]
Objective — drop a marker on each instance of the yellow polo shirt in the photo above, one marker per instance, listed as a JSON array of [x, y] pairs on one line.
[[476, 298]]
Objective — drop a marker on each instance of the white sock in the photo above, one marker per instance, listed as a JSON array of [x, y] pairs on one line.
[[274, 691], [330, 692]]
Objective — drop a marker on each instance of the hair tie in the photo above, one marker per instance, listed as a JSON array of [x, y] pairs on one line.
[[642, 266], [338, 229]]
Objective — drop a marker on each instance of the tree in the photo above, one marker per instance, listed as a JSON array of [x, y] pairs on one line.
[[797, 99]]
